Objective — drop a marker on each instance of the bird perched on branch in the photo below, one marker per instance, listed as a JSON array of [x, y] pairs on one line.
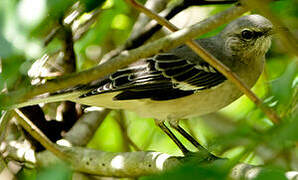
[[179, 84]]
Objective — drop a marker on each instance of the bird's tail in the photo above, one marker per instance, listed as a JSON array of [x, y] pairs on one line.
[[70, 96]]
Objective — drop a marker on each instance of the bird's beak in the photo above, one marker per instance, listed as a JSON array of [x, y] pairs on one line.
[[275, 30], [270, 31]]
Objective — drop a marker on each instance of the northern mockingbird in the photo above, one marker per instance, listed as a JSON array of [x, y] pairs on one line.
[[179, 84]]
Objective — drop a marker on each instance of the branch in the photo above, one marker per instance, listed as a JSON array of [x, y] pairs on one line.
[[124, 164], [6, 116], [245, 171], [137, 30], [38, 135], [67, 64], [125, 58], [97, 162], [102, 163], [84, 129], [213, 61], [82, 29], [121, 120], [154, 5], [153, 27]]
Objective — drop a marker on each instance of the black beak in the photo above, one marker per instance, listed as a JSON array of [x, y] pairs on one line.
[[274, 30]]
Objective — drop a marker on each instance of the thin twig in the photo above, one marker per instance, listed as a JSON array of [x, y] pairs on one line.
[[138, 39], [154, 5], [4, 119], [137, 30], [84, 129], [52, 35], [211, 60], [3, 165], [38, 135], [123, 128], [170, 12], [121, 120], [82, 29]]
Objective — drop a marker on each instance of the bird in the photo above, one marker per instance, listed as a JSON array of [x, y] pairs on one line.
[[179, 84]]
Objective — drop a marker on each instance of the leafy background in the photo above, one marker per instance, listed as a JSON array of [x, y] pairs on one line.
[[240, 131]]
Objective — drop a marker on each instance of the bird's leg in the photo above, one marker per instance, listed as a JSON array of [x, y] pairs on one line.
[[190, 138], [165, 129], [186, 135]]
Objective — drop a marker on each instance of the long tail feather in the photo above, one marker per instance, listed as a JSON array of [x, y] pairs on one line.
[[54, 98]]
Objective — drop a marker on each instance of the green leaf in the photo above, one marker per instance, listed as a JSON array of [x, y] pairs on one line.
[[282, 87], [271, 174], [57, 172], [192, 170], [26, 174], [57, 8]]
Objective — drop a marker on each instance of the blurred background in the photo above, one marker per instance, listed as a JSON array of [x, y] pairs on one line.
[[49, 38]]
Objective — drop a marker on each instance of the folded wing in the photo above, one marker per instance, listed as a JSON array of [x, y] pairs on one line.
[[163, 77]]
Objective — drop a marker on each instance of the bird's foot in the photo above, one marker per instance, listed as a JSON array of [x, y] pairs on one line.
[[202, 156]]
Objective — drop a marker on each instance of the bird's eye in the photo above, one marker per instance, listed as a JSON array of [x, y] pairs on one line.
[[247, 34]]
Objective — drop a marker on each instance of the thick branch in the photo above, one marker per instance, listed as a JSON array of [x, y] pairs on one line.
[[124, 164], [97, 162]]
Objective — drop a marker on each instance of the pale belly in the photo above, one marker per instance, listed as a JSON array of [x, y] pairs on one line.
[[197, 104]]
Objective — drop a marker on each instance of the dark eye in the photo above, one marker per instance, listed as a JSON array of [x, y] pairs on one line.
[[247, 34]]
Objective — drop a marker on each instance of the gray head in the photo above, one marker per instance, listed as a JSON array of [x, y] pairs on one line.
[[248, 36]]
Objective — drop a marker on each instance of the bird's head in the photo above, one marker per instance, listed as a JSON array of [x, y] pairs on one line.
[[248, 37]]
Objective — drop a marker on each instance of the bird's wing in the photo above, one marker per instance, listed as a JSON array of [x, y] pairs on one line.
[[163, 77]]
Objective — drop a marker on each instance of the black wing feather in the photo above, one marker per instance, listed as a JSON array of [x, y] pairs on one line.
[[163, 77]]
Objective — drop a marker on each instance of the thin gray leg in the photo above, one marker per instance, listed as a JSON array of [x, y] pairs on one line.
[[165, 129], [175, 124]]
